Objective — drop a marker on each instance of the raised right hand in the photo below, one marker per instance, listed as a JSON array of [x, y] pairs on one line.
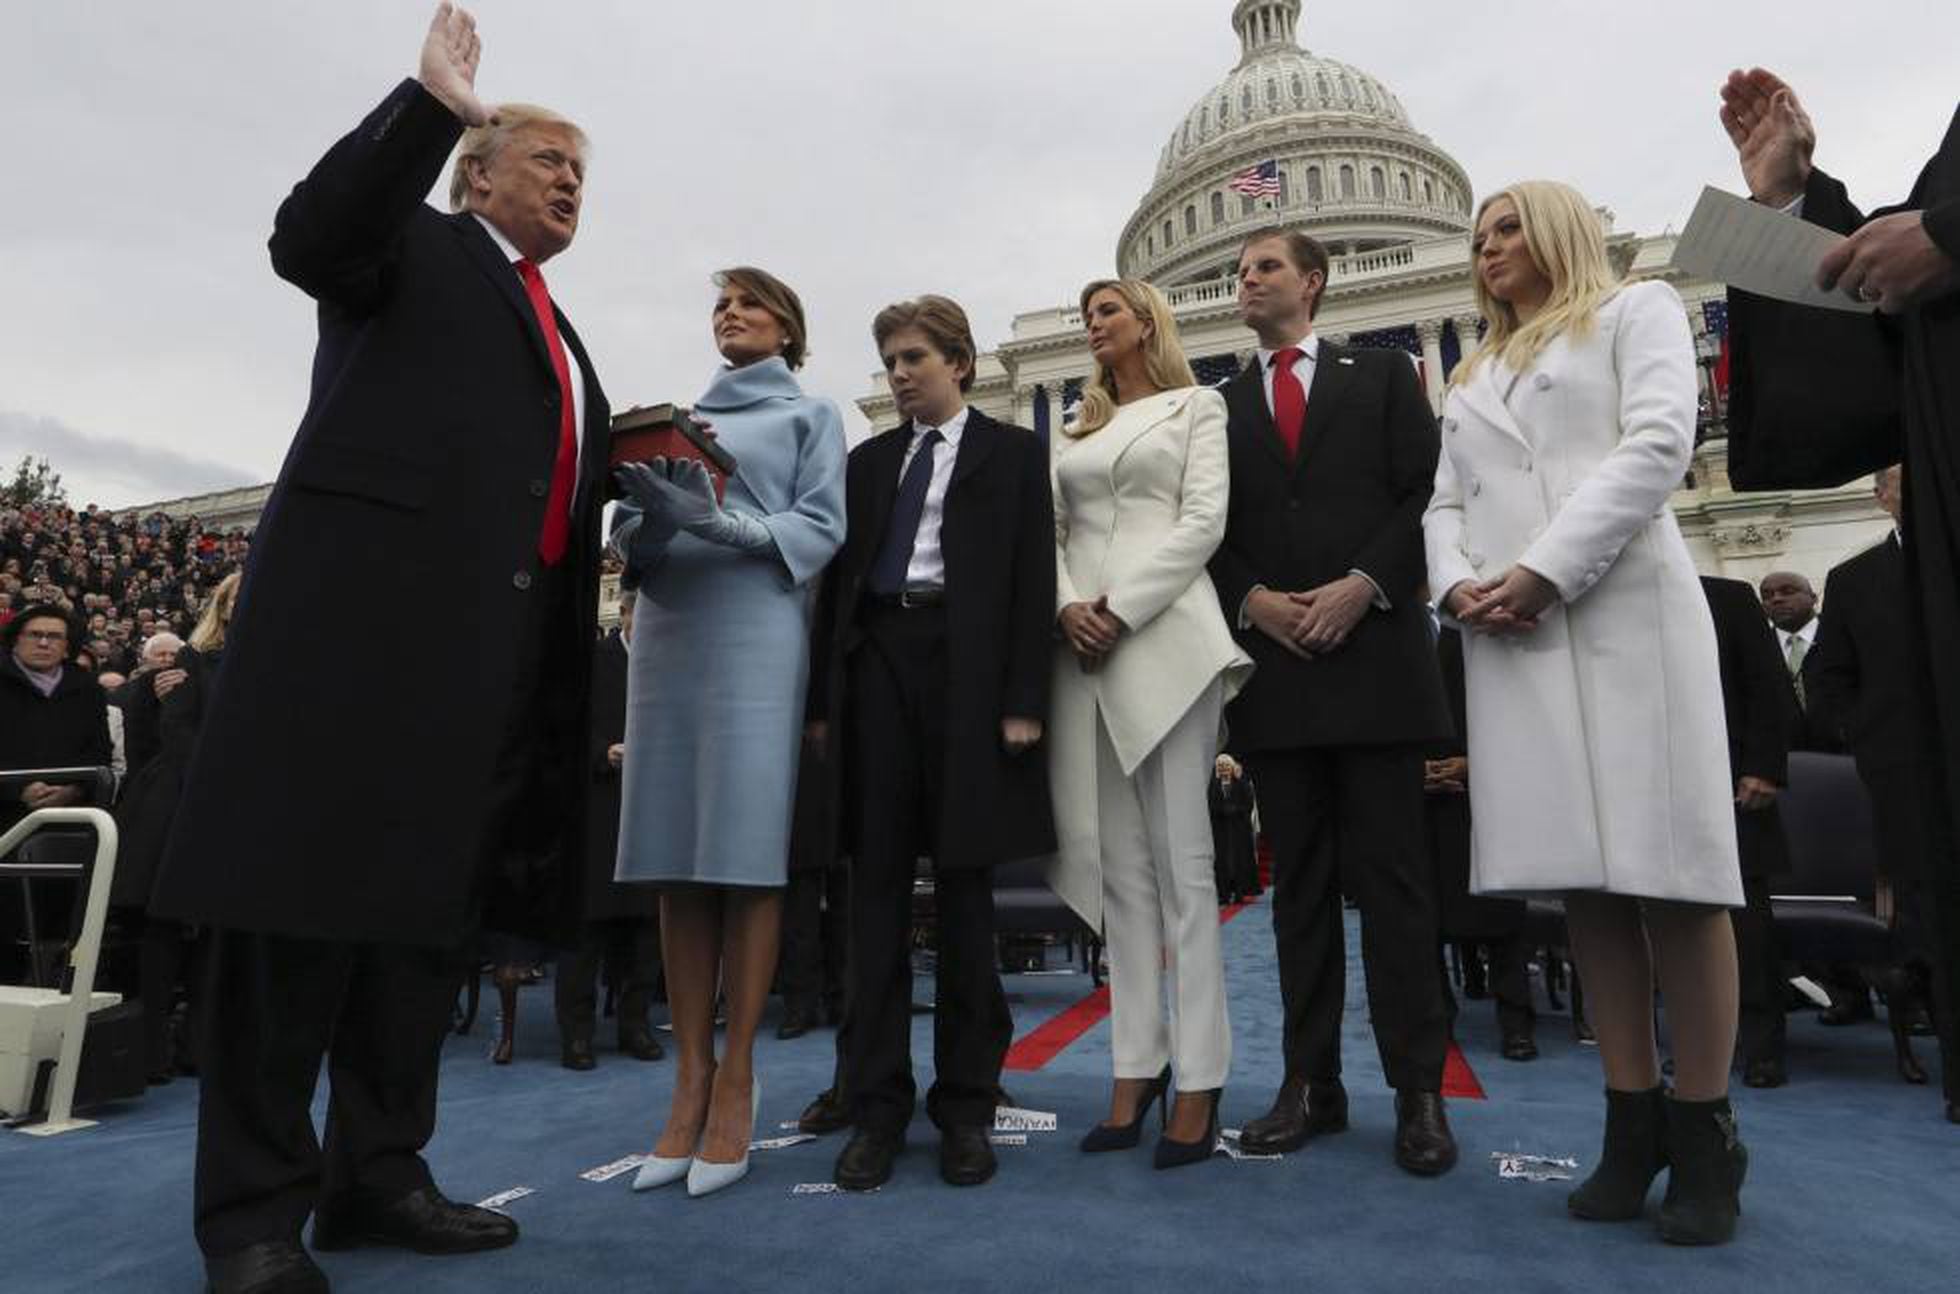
[[1772, 135], [448, 70]]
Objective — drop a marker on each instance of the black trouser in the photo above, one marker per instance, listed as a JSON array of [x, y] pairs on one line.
[[897, 746], [815, 925], [161, 957], [629, 949], [1759, 962], [1353, 819], [1510, 982], [1907, 858], [272, 1007]]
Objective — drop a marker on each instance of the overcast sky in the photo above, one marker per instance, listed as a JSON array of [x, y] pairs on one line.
[[863, 151]]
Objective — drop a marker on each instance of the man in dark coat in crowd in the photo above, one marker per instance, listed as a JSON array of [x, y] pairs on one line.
[[1821, 397], [1866, 691], [349, 820], [621, 932], [52, 715], [1234, 850], [1757, 702]]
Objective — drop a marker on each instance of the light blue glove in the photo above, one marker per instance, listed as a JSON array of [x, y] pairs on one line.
[[685, 496], [642, 527]]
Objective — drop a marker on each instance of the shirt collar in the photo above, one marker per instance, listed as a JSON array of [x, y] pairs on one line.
[[504, 245], [949, 431], [1808, 633], [1309, 347]]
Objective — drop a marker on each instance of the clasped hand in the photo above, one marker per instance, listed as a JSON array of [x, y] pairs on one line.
[[1507, 606], [1315, 622], [1092, 630], [679, 491]]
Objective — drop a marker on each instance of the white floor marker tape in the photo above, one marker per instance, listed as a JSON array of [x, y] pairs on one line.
[[779, 1143], [1533, 1168], [502, 1198], [617, 1168], [1008, 1138], [1007, 1118], [828, 1188]]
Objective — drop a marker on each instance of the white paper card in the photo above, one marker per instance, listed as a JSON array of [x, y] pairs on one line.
[[1759, 249], [502, 1198], [1533, 1168], [778, 1143], [1007, 1118], [617, 1168]]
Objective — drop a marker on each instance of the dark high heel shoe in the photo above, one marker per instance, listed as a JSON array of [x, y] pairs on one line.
[[1176, 1154], [1127, 1136]]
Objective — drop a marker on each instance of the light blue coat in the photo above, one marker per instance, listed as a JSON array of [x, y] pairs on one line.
[[720, 655]]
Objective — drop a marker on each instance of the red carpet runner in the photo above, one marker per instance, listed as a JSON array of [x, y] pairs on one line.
[[1052, 1036]]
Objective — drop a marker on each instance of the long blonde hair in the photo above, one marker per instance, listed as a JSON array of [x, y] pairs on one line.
[[1562, 232], [209, 636], [1163, 354]]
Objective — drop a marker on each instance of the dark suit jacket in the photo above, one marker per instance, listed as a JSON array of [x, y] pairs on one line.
[[1808, 730], [148, 805], [1859, 675], [69, 729], [998, 538], [1353, 500], [343, 794], [1757, 702], [605, 898]]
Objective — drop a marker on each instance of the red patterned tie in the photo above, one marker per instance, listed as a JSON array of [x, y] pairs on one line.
[[1289, 399], [564, 471]]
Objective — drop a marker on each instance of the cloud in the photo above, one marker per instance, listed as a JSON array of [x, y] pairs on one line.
[[114, 471]]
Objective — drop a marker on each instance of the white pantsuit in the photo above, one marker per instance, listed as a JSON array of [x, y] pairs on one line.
[[1598, 749], [1139, 509]]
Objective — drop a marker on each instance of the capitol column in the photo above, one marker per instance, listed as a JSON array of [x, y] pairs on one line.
[[1430, 332]]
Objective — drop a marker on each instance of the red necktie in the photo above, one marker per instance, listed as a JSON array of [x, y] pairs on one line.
[[1289, 399], [557, 530]]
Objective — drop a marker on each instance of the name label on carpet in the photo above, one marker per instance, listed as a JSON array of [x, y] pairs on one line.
[[828, 1188], [502, 1198], [617, 1168], [1533, 1168], [779, 1143], [1008, 1138], [1008, 1118]]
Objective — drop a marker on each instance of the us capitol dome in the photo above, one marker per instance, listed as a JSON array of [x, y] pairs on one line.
[[1348, 165]]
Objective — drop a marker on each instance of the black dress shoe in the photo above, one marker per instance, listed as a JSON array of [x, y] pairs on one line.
[[966, 1157], [576, 1053], [270, 1267], [1423, 1144], [829, 1113], [422, 1221], [1518, 1046], [1764, 1073], [641, 1045], [1301, 1110], [866, 1161]]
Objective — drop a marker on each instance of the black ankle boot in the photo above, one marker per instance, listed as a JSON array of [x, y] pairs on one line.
[[1707, 1164], [1634, 1153]]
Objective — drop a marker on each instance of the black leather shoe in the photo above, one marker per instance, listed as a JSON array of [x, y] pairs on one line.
[[422, 1221], [576, 1053], [271, 1267], [1301, 1110], [829, 1113], [641, 1046], [866, 1161], [1423, 1144], [1764, 1073], [1518, 1046], [966, 1157]]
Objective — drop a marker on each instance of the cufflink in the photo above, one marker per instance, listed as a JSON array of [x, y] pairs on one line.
[[1343, 359]]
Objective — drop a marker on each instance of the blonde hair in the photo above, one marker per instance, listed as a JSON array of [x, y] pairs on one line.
[[209, 636], [1163, 354], [1563, 235], [485, 141]]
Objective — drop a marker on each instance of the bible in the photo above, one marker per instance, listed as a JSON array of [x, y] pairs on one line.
[[646, 432]]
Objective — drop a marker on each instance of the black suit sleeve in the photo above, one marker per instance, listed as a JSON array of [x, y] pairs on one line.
[[338, 233], [1393, 556], [1768, 709], [1833, 678], [1814, 397], [1031, 624]]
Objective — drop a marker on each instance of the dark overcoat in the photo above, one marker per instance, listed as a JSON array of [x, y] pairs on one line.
[[998, 539], [605, 898], [1758, 704], [148, 804], [1352, 499], [69, 729], [341, 794]]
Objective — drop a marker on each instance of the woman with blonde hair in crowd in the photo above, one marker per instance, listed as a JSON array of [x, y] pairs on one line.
[[1594, 694], [1141, 484]]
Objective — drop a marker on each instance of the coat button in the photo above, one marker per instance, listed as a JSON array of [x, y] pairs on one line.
[[1292, 505], [1449, 424], [1476, 486], [1476, 559], [1543, 381], [1527, 465], [539, 489], [521, 580]]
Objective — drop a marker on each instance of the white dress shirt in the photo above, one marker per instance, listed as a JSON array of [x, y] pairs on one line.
[[1808, 633], [927, 569], [571, 360], [1303, 371]]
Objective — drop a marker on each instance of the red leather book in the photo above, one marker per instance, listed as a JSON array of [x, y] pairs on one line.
[[646, 432]]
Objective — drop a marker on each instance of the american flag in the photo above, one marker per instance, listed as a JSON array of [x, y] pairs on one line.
[[1261, 181], [1715, 316]]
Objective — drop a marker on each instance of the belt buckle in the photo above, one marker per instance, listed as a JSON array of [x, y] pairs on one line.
[[905, 599]]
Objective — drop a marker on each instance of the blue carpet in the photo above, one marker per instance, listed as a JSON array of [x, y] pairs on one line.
[[1854, 1182]]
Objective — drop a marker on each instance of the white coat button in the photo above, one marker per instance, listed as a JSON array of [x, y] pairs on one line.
[[1476, 559], [1476, 486], [1449, 424], [1543, 381]]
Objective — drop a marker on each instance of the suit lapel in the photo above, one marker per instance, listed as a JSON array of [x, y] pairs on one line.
[[490, 260], [1333, 374], [977, 442], [1481, 396], [1245, 403], [884, 455]]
